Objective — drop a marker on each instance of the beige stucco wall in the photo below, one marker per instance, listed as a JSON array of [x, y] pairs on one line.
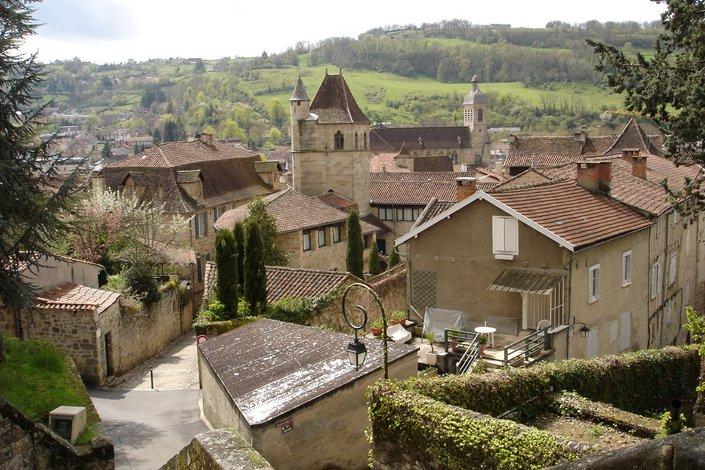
[[460, 255], [328, 257], [56, 271], [614, 299], [396, 228]]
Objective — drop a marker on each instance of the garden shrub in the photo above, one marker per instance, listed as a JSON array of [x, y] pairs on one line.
[[140, 283], [671, 426], [215, 328], [293, 310], [420, 428]]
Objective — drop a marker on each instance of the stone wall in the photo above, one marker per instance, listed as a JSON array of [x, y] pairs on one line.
[[24, 444], [219, 449], [391, 288]]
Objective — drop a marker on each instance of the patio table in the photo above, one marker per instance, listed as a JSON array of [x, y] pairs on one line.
[[487, 330]]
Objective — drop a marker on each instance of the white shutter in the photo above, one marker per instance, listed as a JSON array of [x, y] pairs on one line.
[[511, 235], [497, 234], [614, 331], [592, 343], [625, 331]]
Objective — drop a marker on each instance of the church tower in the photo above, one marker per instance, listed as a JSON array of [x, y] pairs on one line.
[[474, 117], [330, 142]]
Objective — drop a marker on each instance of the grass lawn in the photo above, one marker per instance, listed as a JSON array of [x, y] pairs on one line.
[[37, 377], [278, 83]]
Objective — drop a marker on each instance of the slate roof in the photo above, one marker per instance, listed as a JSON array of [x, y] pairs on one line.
[[293, 211], [391, 139], [417, 188], [76, 297], [575, 214], [299, 93], [633, 136], [270, 368], [334, 103], [227, 172]]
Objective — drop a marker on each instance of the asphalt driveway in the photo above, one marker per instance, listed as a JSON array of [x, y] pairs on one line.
[[148, 427]]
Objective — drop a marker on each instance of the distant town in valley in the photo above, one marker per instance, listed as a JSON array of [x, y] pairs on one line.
[[433, 246]]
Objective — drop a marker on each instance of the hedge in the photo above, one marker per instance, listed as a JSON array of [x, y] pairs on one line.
[[216, 328], [643, 382], [408, 426]]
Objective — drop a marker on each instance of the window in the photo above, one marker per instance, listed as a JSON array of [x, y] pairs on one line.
[[196, 226], [480, 113], [655, 274], [668, 314], [625, 331], [306, 237], [322, 237], [336, 233], [356, 144], [386, 213], [205, 224], [468, 116], [626, 268], [338, 141], [594, 283], [364, 140], [672, 268], [407, 214], [505, 237]]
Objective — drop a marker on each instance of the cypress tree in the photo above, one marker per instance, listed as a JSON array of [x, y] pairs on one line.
[[354, 261], [255, 272], [374, 264], [226, 261], [393, 258], [239, 233]]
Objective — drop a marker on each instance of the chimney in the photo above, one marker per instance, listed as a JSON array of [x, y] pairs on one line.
[[595, 175], [465, 186], [637, 161], [206, 138], [580, 136]]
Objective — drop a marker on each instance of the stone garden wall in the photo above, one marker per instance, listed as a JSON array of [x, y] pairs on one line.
[[24, 444]]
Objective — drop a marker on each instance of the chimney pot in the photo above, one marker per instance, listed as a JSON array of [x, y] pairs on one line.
[[465, 187], [206, 138], [638, 162], [595, 176]]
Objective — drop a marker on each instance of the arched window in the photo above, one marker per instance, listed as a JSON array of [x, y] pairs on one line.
[[356, 144], [364, 140], [338, 141], [479, 115]]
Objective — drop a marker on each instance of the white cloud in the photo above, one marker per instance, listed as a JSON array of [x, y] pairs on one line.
[[111, 31]]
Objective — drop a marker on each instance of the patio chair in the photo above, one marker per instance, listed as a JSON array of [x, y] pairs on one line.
[[398, 334], [543, 324]]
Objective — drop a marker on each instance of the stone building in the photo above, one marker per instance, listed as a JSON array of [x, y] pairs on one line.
[[312, 232], [200, 179], [330, 142], [290, 391], [469, 143]]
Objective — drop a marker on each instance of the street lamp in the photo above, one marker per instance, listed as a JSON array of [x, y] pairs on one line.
[[584, 330], [356, 350]]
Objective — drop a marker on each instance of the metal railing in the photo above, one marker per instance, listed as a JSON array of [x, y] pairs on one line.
[[520, 351], [470, 341]]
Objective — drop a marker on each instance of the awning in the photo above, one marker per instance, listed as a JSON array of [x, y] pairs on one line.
[[528, 281]]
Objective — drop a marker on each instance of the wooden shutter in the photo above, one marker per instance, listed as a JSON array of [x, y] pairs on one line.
[[511, 235], [498, 234], [592, 343]]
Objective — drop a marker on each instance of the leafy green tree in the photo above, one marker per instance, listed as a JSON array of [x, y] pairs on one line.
[[200, 67], [255, 272], [354, 261], [668, 85], [173, 131], [31, 219], [105, 152], [393, 258], [276, 112], [239, 234], [226, 261], [258, 215], [374, 262]]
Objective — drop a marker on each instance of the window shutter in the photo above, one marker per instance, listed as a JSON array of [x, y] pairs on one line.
[[497, 234], [511, 235], [625, 331]]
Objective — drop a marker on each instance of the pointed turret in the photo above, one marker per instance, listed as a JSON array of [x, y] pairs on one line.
[[299, 93], [300, 102]]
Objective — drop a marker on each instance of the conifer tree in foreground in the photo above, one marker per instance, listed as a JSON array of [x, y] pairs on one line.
[[393, 258], [239, 233], [354, 261], [374, 264], [226, 261], [255, 272]]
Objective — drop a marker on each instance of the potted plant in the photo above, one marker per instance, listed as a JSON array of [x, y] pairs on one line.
[[399, 317], [483, 343], [431, 357], [377, 326]]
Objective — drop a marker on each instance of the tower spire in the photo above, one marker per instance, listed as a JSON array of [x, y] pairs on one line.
[[299, 93]]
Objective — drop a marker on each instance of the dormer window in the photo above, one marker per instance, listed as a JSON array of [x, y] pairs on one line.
[[339, 141]]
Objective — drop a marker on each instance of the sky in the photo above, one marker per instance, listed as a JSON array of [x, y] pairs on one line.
[[107, 31]]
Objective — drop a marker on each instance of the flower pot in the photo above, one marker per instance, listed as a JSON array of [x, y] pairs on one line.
[[376, 331], [431, 358]]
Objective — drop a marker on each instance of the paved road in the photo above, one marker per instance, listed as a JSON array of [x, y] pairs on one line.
[[148, 427]]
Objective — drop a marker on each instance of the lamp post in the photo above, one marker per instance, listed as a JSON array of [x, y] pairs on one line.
[[584, 330], [357, 351]]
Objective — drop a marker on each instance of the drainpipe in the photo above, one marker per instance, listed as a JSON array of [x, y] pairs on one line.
[[664, 279], [569, 304]]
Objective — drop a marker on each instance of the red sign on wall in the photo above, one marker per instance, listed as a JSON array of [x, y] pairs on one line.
[[286, 426]]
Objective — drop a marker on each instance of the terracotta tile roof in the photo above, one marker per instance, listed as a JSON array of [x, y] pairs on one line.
[[284, 282], [548, 145], [389, 162], [228, 174], [335, 103], [338, 201], [391, 139], [575, 214], [417, 188], [533, 160], [659, 168], [633, 136], [270, 368], [293, 211], [432, 209], [76, 297]]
